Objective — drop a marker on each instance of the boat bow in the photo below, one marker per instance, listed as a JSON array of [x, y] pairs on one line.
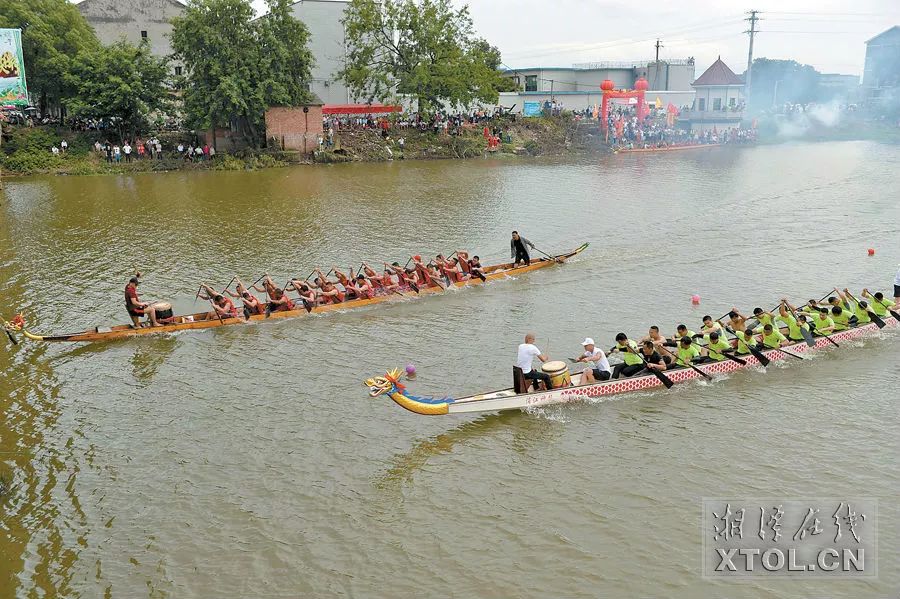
[[390, 385]]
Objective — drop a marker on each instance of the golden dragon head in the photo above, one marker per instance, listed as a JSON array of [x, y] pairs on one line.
[[380, 385]]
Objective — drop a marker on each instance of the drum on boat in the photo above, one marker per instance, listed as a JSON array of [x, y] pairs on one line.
[[163, 310], [559, 374]]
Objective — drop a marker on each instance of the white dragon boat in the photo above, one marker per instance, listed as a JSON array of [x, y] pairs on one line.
[[507, 399]]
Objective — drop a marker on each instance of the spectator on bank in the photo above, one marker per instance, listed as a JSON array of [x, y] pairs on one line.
[[205, 151], [109, 151], [63, 146], [54, 150], [127, 150]]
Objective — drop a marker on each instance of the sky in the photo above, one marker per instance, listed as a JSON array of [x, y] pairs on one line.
[[828, 34]]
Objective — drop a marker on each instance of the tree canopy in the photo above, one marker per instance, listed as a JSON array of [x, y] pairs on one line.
[[797, 83], [236, 67], [425, 48], [53, 34], [121, 82]]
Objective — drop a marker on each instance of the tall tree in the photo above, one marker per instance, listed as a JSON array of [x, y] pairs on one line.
[[53, 34], [237, 66], [780, 81], [121, 82], [425, 48]]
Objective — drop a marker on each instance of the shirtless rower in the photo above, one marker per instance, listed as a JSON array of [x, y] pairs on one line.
[[223, 307], [736, 320], [136, 308]]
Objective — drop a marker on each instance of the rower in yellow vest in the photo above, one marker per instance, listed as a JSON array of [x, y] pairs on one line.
[[681, 331], [709, 326], [823, 323], [763, 318], [841, 318], [690, 353], [716, 345], [772, 337], [794, 323], [860, 309], [631, 361], [880, 304], [744, 341]]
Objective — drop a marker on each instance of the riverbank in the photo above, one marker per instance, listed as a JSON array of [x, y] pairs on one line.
[[27, 151]]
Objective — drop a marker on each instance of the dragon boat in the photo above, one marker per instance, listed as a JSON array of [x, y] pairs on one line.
[[507, 399], [201, 320], [674, 148]]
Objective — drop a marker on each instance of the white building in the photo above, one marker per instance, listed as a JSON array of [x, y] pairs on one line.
[[134, 21], [328, 46], [718, 102]]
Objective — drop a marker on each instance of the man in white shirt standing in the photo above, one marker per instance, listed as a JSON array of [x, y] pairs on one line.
[[528, 351], [897, 287], [598, 365]]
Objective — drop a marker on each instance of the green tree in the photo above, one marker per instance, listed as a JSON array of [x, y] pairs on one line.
[[121, 82], [424, 48], [236, 67], [780, 81], [54, 33]]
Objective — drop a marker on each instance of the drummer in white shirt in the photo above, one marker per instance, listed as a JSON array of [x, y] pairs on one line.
[[528, 351], [598, 366]]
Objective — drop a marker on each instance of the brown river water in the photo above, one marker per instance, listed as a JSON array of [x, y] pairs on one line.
[[248, 461]]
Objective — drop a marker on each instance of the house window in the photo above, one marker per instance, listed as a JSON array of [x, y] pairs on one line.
[[178, 71], [702, 105], [531, 83], [732, 102], [717, 103], [143, 35]]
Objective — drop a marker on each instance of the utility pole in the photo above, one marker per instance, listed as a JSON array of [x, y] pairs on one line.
[[658, 45], [753, 18]]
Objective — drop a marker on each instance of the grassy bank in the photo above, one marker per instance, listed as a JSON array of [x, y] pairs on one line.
[[27, 151]]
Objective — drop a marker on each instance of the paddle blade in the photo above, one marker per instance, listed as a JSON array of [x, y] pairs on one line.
[[895, 315], [663, 378], [759, 356], [481, 276], [307, 306], [414, 287], [876, 319], [12, 337], [808, 337]]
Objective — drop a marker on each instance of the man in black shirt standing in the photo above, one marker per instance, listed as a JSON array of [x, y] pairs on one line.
[[518, 248]]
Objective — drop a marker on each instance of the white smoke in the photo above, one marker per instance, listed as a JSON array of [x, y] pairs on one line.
[[801, 119]]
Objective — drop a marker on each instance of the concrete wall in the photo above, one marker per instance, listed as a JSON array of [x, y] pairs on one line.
[[323, 19], [663, 77], [725, 93], [673, 77], [290, 128], [113, 20]]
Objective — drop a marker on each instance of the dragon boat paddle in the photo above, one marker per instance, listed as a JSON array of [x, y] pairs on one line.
[[793, 355], [9, 334], [875, 318], [554, 258], [691, 366], [761, 357], [725, 355]]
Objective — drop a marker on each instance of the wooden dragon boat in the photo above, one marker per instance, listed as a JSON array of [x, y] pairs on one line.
[[201, 320], [668, 148], [507, 399]]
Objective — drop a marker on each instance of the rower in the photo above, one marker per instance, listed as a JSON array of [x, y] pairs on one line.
[[763, 318], [773, 338], [223, 307], [654, 336], [344, 280], [690, 353], [598, 365], [736, 320], [307, 294], [824, 325], [464, 262], [653, 360], [279, 302], [387, 282], [406, 278], [475, 267], [269, 287], [795, 324], [680, 331], [709, 326], [860, 309], [251, 304], [880, 305], [136, 308], [363, 288], [631, 362], [526, 354], [743, 341], [841, 318], [374, 278], [716, 346], [846, 312], [327, 289], [422, 271]]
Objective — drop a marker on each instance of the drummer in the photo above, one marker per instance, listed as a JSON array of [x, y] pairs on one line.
[[527, 352], [136, 308], [598, 365]]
